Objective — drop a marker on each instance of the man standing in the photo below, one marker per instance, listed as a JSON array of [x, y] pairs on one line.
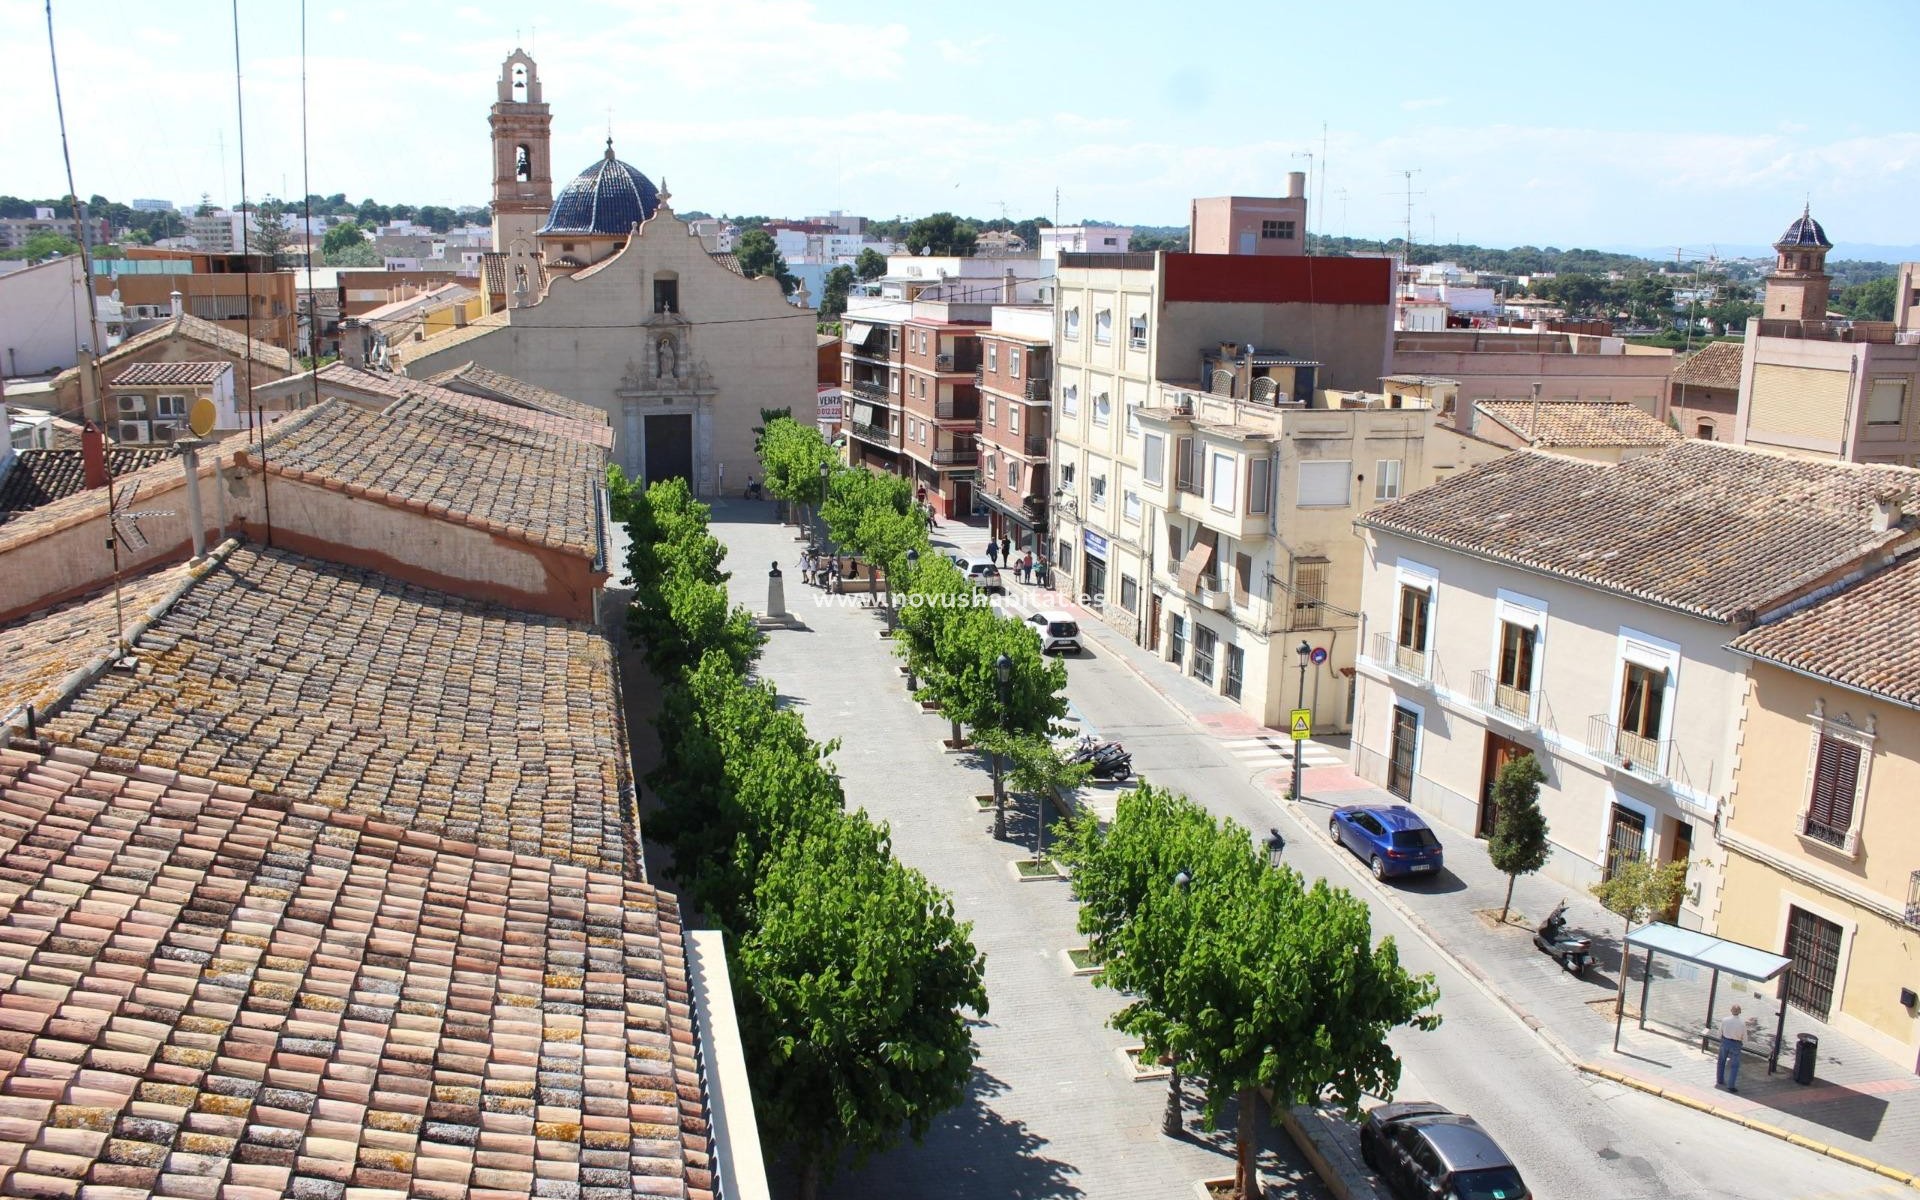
[[1006, 550], [1733, 1037], [993, 551]]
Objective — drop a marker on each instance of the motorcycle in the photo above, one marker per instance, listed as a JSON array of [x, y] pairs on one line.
[[1110, 759], [753, 491], [1572, 952]]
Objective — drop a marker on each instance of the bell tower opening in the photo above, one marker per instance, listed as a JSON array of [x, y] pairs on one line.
[[522, 129]]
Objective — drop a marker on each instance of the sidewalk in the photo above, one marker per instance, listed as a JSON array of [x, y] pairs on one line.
[[1861, 1108]]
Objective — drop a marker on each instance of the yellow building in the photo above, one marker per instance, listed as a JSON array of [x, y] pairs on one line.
[[1822, 845]]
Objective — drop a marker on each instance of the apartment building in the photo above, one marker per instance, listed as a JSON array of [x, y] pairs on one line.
[[1581, 611], [872, 363], [940, 403], [1821, 844], [1125, 322], [1015, 378], [1825, 388]]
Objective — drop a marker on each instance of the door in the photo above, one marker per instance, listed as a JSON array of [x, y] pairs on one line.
[[1153, 622], [669, 447], [1500, 751], [1813, 943], [1625, 838], [1406, 732], [1679, 849]]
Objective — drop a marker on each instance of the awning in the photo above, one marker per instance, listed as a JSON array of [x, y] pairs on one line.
[[1719, 954], [1198, 560], [858, 332]]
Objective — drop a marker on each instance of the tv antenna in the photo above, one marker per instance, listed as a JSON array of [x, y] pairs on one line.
[[124, 526]]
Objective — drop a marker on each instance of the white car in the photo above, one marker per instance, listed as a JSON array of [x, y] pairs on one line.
[[1058, 632], [981, 573]]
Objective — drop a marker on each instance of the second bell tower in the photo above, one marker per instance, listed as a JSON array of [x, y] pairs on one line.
[[522, 162]]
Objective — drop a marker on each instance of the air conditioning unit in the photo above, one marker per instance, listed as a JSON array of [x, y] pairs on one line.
[[134, 431], [163, 432], [133, 405]]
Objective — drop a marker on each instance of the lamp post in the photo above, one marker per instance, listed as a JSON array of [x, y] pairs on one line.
[[913, 563], [819, 519], [1275, 844], [1303, 650], [1003, 680], [1174, 1121]]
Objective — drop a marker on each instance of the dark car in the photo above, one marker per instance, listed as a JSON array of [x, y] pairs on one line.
[[1425, 1152], [1391, 839]]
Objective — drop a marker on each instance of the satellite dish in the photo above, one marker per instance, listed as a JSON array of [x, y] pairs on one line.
[[201, 417]]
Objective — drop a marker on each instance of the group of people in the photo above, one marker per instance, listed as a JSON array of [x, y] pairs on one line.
[[820, 570], [1000, 554]]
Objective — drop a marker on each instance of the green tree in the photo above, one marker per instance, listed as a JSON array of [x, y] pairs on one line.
[[870, 266], [1639, 889], [758, 256], [853, 989], [962, 677], [942, 233], [1037, 768], [341, 236], [791, 458], [1519, 844], [268, 235], [1871, 301], [360, 254], [833, 294], [42, 246]]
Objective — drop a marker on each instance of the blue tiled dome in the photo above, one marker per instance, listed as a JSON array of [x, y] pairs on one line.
[[1805, 232], [609, 197]]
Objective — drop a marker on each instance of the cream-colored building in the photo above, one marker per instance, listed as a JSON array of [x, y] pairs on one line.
[[1823, 854], [1580, 611], [625, 309], [1247, 509]]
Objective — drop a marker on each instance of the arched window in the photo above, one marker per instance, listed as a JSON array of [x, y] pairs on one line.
[[522, 164], [519, 83]]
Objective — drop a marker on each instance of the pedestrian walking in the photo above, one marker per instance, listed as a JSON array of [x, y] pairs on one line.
[[993, 552], [833, 574], [1733, 1039], [1026, 567], [1006, 550]]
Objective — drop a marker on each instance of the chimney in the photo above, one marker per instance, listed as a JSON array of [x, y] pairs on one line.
[[1887, 509], [174, 302], [460, 316], [1296, 185], [93, 456], [1533, 422]]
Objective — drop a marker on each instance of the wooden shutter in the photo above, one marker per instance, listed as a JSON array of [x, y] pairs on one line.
[[1836, 773]]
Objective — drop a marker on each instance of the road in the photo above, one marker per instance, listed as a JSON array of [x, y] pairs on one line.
[[1573, 1136]]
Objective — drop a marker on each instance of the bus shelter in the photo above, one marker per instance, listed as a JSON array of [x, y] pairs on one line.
[[1716, 955]]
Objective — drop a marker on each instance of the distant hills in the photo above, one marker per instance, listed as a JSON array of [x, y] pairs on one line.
[[1863, 251]]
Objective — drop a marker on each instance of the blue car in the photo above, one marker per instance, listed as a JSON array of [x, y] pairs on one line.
[[1391, 839]]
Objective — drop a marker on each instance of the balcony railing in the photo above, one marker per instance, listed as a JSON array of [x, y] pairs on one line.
[[1403, 660], [876, 434], [943, 362], [869, 391], [878, 354], [1038, 390], [1036, 445], [1657, 759], [956, 410], [955, 457], [979, 376], [1490, 693], [1913, 899]]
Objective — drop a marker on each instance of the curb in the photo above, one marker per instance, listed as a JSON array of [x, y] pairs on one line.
[[1907, 1178]]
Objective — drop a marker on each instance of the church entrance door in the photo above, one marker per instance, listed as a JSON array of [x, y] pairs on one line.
[[669, 447]]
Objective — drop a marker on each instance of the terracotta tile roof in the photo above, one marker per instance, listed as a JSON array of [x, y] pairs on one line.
[[1714, 365], [361, 385], [149, 374], [210, 991], [325, 682], [38, 652], [40, 477], [1705, 527], [1579, 422], [726, 259], [192, 329], [1861, 637], [505, 388], [412, 352], [471, 467]]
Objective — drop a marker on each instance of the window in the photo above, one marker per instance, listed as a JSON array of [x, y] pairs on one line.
[[1309, 591], [1813, 943], [1013, 472], [1066, 475], [1130, 506], [1242, 577], [1137, 331], [893, 382], [993, 358], [1324, 484], [1515, 691], [1013, 361], [893, 425], [1174, 539], [1070, 325], [1177, 640], [1102, 408], [1204, 642], [1070, 400], [1153, 454], [1097, 491], [1129, 593], [1133, 420], [1277, 230], [893, 339], [1887, 402], [1220, 481], [1704, 431], [1643, 701], [1013, 418], [169, 406], [1259, 484], [1415, 607], [666, 295], [1386, 479], [1184, 467], [1236, 667], [1103, 326], [993, 409], [1836, 777], [989, 460]]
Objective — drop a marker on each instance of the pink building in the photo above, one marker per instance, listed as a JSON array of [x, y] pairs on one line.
[[1265, 225]]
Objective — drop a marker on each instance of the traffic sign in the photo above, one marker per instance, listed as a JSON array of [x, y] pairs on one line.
[[1319, 655], [1302, 721]]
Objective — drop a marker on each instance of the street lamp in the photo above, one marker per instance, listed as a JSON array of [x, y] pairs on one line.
[[1304, 651], [913, 563], [1275, 844], [819, 518], [1173, 1123], [1003, 680]]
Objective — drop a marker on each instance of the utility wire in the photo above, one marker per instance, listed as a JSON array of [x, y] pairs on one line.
[[306, 186], [246, 269]]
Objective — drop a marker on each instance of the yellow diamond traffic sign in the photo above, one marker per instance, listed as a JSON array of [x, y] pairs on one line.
[[1302, 722]]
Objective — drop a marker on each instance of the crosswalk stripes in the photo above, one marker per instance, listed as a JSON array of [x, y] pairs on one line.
[[1271, 750]]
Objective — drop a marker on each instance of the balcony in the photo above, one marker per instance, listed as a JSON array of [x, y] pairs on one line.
[[1209, 595], [876, 434], [869, 391], [1654, 760], [1516, 704], [1038, 391], [955, 456], [1404, 661], [871, 354], [1036, 445], [956, 410], [1913, 900]]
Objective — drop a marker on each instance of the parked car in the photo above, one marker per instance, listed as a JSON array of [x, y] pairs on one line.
[[1058, 632], [1425, 1152], [1391, 839], [981, 573]]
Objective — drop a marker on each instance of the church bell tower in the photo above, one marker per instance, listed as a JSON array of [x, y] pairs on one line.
[[522, 163], [1799, 287]]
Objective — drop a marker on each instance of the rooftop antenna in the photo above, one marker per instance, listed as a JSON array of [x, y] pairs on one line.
[[1408, 176]]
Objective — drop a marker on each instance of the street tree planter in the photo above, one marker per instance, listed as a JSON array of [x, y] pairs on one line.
[[1143, 1072]]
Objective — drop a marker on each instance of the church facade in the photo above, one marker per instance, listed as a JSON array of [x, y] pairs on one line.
[[615, 302]]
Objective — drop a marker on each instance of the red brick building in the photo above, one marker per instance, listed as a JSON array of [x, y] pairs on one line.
[[1015, 379], [940, 407]]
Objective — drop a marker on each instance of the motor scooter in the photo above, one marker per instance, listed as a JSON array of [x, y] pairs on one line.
[[1572, 951], [1110, 759]]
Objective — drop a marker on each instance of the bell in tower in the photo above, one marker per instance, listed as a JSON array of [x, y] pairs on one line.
[[522, 161]]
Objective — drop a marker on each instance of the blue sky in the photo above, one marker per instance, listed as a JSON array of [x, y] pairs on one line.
[[1632, 124]]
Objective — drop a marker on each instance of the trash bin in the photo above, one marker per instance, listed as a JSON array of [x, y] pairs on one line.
[[1806, 1051]]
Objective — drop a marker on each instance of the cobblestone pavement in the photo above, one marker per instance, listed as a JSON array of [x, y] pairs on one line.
[[1054, 1110]]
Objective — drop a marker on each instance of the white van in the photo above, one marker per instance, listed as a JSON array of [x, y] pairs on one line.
[[1058, 632]]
